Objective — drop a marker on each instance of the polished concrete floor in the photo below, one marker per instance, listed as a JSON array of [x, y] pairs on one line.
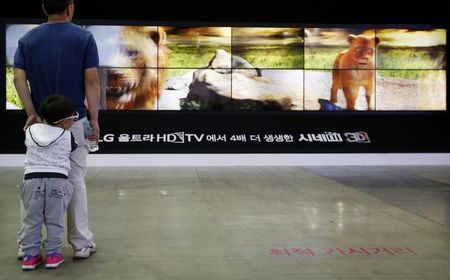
[[253, 223]]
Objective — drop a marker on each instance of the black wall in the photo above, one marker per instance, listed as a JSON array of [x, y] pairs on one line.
[[314, 12]]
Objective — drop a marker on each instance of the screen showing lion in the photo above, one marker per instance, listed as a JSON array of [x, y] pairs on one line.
[[392, 69], [133, 62], [355, 68]]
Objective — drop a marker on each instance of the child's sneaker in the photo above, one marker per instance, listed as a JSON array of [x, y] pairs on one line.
[[54, 260], [30, 262]]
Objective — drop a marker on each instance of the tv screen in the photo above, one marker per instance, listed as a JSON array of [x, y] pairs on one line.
[[180, 68]]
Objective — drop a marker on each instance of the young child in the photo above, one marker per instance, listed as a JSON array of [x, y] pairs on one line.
[[46, 190]]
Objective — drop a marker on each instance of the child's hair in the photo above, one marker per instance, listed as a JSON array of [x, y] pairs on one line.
[[56, 107]]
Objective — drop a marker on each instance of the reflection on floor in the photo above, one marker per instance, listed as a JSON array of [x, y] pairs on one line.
[[253, 223]]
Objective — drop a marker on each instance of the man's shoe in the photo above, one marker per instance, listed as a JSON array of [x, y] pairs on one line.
[[54, 260], [85, 252], [20, 253], [30, 262]]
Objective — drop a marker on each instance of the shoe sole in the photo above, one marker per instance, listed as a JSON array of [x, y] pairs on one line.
[[53, 265], [84, 256], [30, 267]]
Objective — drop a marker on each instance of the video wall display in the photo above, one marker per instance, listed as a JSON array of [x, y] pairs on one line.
[[262, 69]]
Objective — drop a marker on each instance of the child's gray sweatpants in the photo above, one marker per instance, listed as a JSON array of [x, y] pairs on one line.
[[44, 201]]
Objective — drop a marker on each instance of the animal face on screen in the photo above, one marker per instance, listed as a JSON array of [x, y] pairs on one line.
[[133, 61], [355, 68]]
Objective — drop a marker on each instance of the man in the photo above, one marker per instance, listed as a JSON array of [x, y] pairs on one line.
[[59, 57]]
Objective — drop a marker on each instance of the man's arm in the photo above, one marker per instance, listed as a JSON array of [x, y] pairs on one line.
[[20, 82], [92, 86]]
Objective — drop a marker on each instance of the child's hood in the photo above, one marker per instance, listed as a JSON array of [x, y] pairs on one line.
[[44, 134]]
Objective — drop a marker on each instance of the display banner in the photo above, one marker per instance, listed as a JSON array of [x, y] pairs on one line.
[[135, 132], [180, 87]]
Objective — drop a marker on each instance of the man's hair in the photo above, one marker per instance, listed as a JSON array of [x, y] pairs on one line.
[[56, 107], [55, 6]]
